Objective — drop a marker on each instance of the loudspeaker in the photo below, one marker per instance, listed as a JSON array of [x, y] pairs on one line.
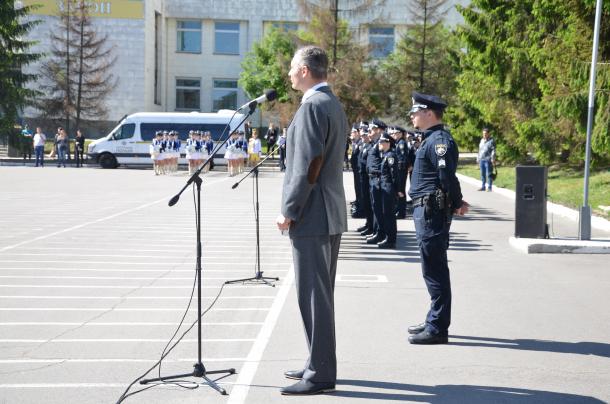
[[530, 202]]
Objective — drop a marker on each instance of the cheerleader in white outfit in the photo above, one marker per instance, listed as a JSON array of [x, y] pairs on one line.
[[242, 147], [232, 154], [155, 152], [164, 154], [190, 151], [174, 150]]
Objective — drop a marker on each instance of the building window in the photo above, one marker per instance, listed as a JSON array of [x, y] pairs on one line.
[[381, 41], [285, 26], [226, 38], [188, 94], [189, 36], [224, 95]]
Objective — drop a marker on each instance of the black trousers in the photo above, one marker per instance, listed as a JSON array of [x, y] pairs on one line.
[[432, 231]]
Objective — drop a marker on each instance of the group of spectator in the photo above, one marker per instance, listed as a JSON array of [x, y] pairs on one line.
[[60, 149]]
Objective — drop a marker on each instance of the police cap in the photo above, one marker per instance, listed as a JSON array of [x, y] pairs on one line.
[[377, 123], [364, 124], [426, 101], [386, 138]]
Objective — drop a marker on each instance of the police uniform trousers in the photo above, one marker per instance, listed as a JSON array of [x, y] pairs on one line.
[[432, 232], [357, 188], [377, 205], [366, 200], [401, 207], [388, 203], [315, 267]]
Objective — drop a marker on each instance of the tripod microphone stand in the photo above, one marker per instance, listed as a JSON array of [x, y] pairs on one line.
[[258, 274], [199, 369]]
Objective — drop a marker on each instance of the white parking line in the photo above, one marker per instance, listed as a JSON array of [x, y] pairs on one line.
[[146, 205], [276, 262], [246, 375], [129, 278], [80, 340], [33, 297], [122, 324], [143, 309], [114, 360], [126, 286], [64, 269]]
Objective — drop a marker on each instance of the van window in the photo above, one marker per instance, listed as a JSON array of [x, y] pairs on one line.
[[147, 130], [125, 131]]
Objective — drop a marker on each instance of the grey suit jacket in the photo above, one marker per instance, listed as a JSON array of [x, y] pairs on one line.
[[313, 196]]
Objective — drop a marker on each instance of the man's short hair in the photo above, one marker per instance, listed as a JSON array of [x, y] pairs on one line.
[[315, 59]]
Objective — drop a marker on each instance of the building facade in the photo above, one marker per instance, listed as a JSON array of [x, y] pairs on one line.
[[186, 55]]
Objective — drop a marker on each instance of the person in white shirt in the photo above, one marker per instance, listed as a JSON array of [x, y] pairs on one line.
[[39, 140], [254, 148]]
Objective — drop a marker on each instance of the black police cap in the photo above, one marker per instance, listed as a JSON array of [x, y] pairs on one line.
[[378, 123], [426, 101], [355, 128], [364, 124], [386, 138]]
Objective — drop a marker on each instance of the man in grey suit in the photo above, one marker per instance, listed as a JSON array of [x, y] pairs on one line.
[[315, 214]]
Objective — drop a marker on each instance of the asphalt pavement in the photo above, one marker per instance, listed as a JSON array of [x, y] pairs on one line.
[[96, 272]]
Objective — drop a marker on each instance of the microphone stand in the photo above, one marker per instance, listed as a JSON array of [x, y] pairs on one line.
[[258, 274], [199, 369]]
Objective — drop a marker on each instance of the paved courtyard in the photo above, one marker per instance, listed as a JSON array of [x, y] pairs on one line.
[[96, 272]]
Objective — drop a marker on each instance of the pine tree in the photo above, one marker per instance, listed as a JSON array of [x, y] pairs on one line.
[[14, 57], [425, 58], [525, 74], [77, 76]]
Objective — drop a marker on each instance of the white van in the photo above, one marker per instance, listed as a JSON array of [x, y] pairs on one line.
[[128, 143]]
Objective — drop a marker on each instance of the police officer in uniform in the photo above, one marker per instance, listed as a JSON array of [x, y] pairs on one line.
[[389, 182], [373, 169], [402, 152], [437, 196], [353, 162], [365, 146]]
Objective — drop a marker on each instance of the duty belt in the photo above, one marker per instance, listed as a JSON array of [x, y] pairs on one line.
[[421, 201]]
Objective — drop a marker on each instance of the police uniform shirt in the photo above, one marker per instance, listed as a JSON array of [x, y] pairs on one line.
[[435, 166], [355, 153], [402, 151], [362, 157], [373, 159], [389, 170]]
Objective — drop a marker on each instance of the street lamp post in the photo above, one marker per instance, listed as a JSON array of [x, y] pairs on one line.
[[584, 228]]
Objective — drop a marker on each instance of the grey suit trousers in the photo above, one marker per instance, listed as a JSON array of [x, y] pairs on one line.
[[315, 266]]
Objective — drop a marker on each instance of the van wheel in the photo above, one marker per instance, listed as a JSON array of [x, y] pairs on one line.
[[107, 160]]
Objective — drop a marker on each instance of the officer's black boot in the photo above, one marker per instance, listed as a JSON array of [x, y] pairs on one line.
[[374, 239], [387, 243], [361, 228]]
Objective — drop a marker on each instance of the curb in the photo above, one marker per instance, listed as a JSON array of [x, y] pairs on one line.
[[559, 246], [597, 222]]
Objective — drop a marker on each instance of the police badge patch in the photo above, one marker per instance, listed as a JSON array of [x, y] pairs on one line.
[[391, 160], [440, 149]]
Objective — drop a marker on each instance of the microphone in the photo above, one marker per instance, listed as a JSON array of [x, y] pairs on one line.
[[269, 95], [235, 185]]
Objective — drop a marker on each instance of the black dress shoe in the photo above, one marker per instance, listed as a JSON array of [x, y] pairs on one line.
[[361, 229], [366, 233], [294, 374], [376, 238], [416, 329], [428, 338], [358, 215], [305, 387], [387, 244]]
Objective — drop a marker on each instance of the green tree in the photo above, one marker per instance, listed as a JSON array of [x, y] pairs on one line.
[[425, 58], [14, 57], [525, 74]]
